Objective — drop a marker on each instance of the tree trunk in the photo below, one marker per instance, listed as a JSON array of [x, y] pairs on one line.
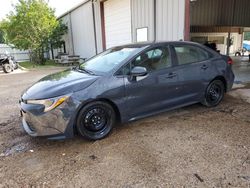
[[37, 56]]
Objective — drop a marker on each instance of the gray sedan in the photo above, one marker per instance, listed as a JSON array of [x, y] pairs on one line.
[[123, 84]]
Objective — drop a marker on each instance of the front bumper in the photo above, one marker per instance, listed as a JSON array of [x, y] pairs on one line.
[[53, 124]]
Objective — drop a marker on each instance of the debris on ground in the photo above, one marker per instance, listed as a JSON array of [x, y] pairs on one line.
[[245, 177], [93, 157], [198, 177], [22, 147]]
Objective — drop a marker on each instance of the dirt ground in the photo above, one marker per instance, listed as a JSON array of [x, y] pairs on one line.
[[191, 147]]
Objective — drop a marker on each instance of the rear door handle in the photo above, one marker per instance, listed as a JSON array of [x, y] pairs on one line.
[[171, 75], [204, 67]]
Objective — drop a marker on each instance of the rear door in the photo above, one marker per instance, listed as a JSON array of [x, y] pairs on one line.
[[193, 66]]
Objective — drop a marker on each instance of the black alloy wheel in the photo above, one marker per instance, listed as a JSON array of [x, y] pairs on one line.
[[95, 120], [214, 93]]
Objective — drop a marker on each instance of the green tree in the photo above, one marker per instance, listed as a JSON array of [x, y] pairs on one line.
[[2, 37], [32, 26]]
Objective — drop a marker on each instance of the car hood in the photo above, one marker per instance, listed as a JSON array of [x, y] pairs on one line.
[[58, 84]]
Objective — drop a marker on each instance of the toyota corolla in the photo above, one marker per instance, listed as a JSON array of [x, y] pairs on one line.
[[124, 84]]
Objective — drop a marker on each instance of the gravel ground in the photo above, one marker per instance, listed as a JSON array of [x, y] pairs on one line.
[[190, 147]]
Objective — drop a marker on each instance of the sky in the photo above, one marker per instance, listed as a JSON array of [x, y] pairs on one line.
[[60, 6]]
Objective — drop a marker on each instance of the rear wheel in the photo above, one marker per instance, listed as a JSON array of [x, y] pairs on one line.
[[95, 120], [214, 93], [7, 68]]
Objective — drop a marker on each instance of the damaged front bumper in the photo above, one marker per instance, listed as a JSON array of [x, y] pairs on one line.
[[56, 123]]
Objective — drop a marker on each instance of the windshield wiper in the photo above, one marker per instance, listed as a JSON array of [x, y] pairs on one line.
[[86, 71]]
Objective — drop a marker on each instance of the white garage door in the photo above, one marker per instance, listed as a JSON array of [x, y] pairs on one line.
[[117, 17]]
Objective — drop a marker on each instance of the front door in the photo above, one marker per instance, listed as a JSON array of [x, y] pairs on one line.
[[155, 91]]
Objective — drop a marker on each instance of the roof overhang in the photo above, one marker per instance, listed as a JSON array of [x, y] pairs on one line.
[[217, 13], [74, 8]]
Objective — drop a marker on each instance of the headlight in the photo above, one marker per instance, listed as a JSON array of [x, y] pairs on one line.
[[49, 104]]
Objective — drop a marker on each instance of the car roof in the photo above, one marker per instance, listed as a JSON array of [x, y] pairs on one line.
[[158, 43], [154, 43]]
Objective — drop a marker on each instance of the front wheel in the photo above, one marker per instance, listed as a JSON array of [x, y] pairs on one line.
[[7, 68], [95, 120], [214, 93]]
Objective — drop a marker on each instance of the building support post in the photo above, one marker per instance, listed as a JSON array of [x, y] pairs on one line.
[[228, 42], [103, 26], [155, 25], [94, 23], [187, 21], [71, 34]]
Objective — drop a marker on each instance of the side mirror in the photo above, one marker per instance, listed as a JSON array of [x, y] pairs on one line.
[[138, 71]]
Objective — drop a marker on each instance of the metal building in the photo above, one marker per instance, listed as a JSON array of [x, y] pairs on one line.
[[221, 21], [96, 25]]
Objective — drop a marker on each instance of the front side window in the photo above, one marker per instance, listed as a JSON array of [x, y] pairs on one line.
[[155, 59], [190, 54]]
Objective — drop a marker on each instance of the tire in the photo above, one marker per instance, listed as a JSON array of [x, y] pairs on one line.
[[95, 120], [214, 93], [237, 54], [7, 68]]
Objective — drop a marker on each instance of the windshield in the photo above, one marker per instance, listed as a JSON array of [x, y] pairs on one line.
[[107, 60]]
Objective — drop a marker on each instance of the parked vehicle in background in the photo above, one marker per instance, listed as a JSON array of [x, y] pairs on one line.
[[123, 84], [241, 52], [8, 63], [246, 45]]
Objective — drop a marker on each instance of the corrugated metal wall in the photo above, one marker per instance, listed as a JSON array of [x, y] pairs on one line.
[[170, 20], [83, 31], [67, 38], [85, 40], [220, 13], [142, 16], [98, 26]]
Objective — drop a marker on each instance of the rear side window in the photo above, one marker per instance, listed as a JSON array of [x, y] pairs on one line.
[[191, 54]]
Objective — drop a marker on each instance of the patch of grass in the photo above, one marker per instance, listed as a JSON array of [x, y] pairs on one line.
[[32, 65]]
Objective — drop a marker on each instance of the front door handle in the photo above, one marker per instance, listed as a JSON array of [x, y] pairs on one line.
[[204, 67], [171, 75]]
